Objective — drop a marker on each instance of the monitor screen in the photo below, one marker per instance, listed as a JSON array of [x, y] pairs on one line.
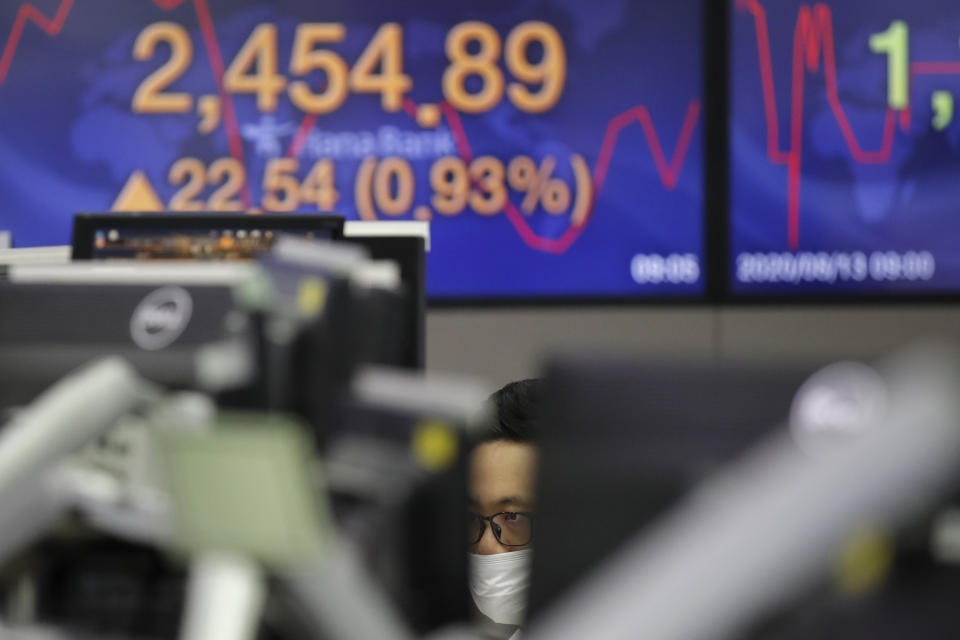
[[844, 147], [203, 244], [625, 443], [555, 145], [191, 237]]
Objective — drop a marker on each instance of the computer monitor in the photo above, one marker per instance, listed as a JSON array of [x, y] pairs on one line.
[[55, 319], [409, 253], [403, 516], [625, 440], [160, 316], [215, 237], [585, 126], [175, 236]]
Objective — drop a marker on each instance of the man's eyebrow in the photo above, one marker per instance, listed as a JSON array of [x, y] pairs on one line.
[[517, 500]]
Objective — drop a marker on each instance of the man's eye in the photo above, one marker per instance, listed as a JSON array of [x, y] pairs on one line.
[[511, 517]]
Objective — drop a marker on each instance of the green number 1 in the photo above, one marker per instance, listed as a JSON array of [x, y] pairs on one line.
[[895, 43]]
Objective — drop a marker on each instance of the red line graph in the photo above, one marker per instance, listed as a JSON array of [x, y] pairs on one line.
[[814, 36], [211, 43], [669, 171], [300, 138], [29, 12], [935, 68]]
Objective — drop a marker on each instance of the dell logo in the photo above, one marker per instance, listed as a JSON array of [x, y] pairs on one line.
[[840, 403], [161, 318]]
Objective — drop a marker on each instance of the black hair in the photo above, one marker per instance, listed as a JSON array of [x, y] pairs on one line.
[[514, 412]]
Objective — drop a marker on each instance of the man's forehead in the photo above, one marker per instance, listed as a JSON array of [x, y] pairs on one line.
[[503, 471]]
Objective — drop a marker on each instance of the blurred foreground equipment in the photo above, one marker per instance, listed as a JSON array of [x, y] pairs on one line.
[[770, 542], [239, 459]]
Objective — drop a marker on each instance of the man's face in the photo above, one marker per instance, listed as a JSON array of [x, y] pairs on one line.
[[502, 475]]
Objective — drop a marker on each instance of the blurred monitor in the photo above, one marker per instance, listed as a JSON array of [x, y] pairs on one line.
[[214, 237], [93, 586], [176, 321], [173, 236], [409, 253], [404, 515], [625, 440], [161, 319]]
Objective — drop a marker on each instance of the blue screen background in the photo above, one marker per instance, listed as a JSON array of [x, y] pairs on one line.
[[70, 142], [863, 222]]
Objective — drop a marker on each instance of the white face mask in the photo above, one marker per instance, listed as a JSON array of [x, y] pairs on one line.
[[499, 585]]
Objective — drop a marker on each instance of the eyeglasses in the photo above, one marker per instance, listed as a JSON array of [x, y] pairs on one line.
[[511, 528]]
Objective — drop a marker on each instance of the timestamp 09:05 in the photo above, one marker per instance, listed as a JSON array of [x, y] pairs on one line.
[[675, 268]]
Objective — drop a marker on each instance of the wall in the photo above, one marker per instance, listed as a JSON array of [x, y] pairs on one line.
[[504, 344]]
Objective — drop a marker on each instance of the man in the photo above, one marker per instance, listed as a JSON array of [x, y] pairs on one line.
[[500, 515]]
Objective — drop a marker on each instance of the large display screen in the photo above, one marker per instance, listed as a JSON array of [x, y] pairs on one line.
[[845, 147], [556, 145]]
